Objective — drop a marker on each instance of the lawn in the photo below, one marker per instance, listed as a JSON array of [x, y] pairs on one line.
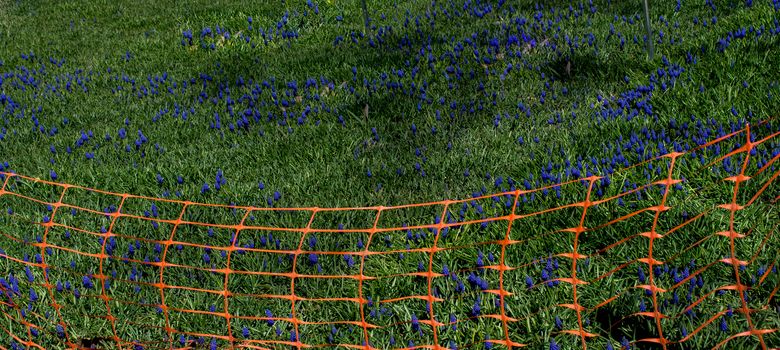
[[463, 174]]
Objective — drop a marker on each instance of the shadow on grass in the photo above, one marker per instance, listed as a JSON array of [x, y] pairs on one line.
[[609, 319]]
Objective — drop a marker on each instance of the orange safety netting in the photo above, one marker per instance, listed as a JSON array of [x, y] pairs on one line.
[[30, 326]]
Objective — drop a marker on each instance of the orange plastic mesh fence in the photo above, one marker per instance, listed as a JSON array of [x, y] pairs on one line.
[[249, 302]]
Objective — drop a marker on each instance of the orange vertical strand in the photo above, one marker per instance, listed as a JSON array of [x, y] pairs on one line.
[[430, 298], [361, 299], [226, 294], [733, 208], [652, 236], [581, 228], [44, 267], [161, 285], [501, 289], [103, 278], [293, 298]]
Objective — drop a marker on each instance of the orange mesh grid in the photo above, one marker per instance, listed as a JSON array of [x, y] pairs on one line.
[[734, 257]]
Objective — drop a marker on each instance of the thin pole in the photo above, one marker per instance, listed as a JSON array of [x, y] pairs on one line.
[[365, 15], [650, 46]]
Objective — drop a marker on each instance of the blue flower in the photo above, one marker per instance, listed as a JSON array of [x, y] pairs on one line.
[[349, 260], [625, 344], [28, 272], [415, 323], [554, 345], [312, 242], [476, 310], [641, 275], [87, 282], [269, 315], [460, 288]]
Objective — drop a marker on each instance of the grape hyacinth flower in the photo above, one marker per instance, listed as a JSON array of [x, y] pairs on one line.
[[87, 282], [269, 317]]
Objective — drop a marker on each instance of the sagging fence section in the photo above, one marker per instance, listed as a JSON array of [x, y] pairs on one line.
[[687, 259]]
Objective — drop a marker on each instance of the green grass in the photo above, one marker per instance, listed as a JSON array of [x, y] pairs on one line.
[[324, 164]]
